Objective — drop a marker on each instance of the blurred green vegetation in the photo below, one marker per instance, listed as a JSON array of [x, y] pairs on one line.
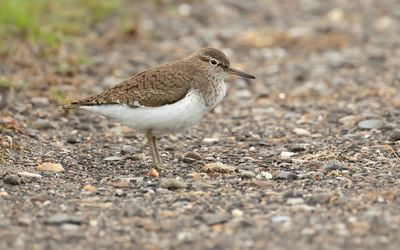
[[52, 21]]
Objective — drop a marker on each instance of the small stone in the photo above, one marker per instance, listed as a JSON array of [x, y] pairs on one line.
[[294, 201], [297, 148], [263, 184], [89, 188], [50, 167], [395, 136], [280, 219], [119, 193], [210, 140], [266, 175], [171, 183], [73, 140], [286, 175], [40, 102], [237, 213], [247, 175], [29, 175], [349, 120], [193, 155], [61, 218], [202, 185], [217, 218], [127, 149], [3, 194], [24, 221], [154, 173], [121, 184], [42, 124], [370, 124], [287, 155], [12, 179], [40, 197], [334, 166], [218, 167], [113, 158], [69, 227], [301, 132]]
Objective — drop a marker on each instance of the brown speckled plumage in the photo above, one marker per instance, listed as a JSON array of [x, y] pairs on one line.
[[165, 84]]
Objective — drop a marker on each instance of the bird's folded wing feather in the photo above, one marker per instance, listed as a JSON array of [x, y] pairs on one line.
[[152, 88]]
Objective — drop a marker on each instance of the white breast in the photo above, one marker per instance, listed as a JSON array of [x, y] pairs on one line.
[[169, 118]]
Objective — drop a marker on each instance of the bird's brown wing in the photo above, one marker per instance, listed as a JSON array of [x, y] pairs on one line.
[[151, 88]]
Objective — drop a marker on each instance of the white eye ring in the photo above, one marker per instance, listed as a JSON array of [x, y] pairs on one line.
[[213, 62]]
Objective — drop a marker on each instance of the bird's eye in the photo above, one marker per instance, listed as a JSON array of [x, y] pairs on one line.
[[213, 62]]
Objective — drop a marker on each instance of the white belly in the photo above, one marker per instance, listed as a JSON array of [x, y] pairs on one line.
[[169, 118]]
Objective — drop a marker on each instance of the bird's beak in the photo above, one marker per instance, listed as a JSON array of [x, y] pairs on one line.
[[239, 73]]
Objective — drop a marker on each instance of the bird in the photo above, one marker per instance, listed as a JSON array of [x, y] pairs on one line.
[[165, 99]]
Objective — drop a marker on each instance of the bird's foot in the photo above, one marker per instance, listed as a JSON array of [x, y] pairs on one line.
[[159, 166]]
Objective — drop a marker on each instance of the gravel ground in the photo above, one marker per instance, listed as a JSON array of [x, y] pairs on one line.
[[306, 156]]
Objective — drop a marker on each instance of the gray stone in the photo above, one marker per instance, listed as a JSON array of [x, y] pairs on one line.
[[286, 175], [370, 124], [127, 149], [334, 165], [61, 218], [217, 218], [113, 158], [12, 179], [42, 124], [395, 136], [247, 175], [171, 183]]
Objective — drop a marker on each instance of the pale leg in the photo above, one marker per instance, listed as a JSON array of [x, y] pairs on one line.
[[158, 158], [155, 155]]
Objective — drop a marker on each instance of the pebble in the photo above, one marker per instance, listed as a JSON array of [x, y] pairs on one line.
[[370, 124], [266, 175], [286, 175], [171, 183], [40, 102], [42, 124], [193, 155], [218, 167], [247, 175], [210, 140], [217, 218], [395, 136], [29, 175], [3, 194], [113, 158], [73, 140], [202, 185], [12, 179], [127, 149], [287, 155], [263, 184], [294, 201], [298, 148], [301, 132], [24, 221], [89, 188], [69, 227], [280, 219], [62, 218], [154, 173], [334, 166], [50, 167], [119, 193], [237, 213]]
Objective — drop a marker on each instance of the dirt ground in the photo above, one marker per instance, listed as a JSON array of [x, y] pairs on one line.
[[309, 151]]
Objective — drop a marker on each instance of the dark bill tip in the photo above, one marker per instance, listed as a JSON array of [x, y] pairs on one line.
[[239, 73]]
